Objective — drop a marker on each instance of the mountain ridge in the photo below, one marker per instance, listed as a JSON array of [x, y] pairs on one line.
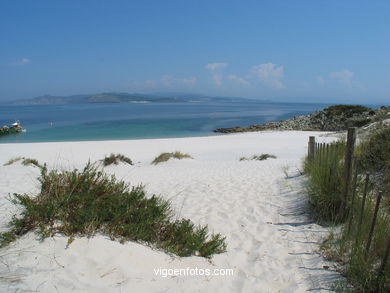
[[118, 97]]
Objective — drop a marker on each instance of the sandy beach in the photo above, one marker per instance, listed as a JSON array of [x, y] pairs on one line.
[[260, 206]]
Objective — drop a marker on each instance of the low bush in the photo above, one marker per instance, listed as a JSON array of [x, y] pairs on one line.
[[374, 152], [88, 202], [346, 110], [163, 157]]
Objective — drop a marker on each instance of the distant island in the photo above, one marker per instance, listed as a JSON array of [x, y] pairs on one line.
[[117, 98]]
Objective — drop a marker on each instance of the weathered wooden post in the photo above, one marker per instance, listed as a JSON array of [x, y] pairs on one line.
[[349, 150], [334, 158], [369, 240], [327, 150], [365, 190], [384, 262], [311, 148], [327, 159], [354, 186], [381, 271]]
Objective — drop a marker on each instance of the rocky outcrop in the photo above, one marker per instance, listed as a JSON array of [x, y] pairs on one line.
[[333, 118]]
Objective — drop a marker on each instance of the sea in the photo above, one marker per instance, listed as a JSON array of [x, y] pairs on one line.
[[120, 121]]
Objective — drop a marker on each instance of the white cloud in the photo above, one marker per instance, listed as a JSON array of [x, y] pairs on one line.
[[21, 62], [216, 72], [171, 81], [269, 74], [238, 79], [343, 76]]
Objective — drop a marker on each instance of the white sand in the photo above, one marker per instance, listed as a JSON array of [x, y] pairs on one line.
[[271, 241]]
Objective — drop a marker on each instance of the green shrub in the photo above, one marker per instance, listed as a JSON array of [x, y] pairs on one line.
[[115, 159], [374, 152], [163, 157], [88, 202], [361, 122], [346, 110], [261, 157]]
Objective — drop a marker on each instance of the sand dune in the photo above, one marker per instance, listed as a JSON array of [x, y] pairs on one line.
[[271, 241]]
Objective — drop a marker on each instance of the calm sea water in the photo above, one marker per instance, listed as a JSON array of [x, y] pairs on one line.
[[131, 121]]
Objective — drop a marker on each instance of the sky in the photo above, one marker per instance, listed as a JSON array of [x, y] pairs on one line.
[[301, 50]]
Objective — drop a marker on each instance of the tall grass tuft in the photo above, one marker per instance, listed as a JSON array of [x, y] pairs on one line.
[[261, 157], [29, 162], [88, 202], [115, 159], [163, 157], [325, 183], [348, 247], [25, 162]]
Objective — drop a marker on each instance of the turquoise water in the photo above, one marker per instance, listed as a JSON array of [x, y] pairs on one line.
[[133, 121]]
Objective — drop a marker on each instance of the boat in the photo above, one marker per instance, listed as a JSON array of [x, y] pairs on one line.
[[13, 128]]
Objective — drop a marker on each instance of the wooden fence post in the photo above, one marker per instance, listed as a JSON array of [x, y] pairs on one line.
[[366, 181], [333, 169], [311, 149], [354, 186], [384, 262], [349, 150], [327, 158], [378, 201]]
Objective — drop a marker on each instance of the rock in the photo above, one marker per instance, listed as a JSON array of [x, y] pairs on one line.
[[333, 118]]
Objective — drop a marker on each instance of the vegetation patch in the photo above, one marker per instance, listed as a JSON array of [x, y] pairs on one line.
[[358, 245], [13, 160], [87, 202], [325, 187], [374, 152], [25, 162], [167, 156], [347, 110], [261, 157], [115, 159]]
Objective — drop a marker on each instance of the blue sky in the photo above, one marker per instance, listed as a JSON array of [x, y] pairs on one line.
[[318, 51]]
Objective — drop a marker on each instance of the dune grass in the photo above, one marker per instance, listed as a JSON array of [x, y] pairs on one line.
[[261, 157], [163, 157], [347, 243], [347, 246], [325, 187], [12, 161], [115, 159], [25, 162], [86, 202], [29, 162]]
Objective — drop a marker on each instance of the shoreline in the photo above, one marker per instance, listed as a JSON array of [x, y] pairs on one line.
[[212, 134]]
